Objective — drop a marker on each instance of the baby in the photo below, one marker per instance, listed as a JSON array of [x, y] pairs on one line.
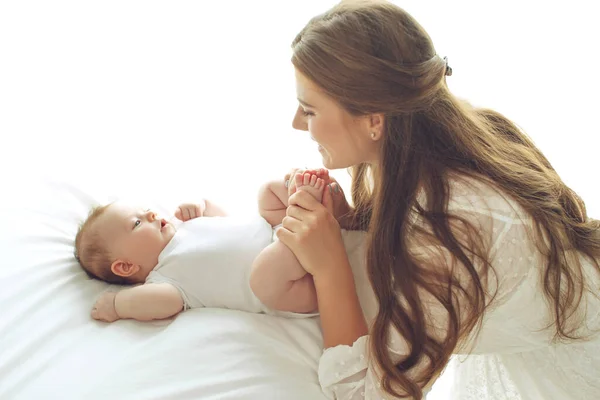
[[210, 260]]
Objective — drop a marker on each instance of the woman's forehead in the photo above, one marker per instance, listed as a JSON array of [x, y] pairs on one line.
[[304, 85]]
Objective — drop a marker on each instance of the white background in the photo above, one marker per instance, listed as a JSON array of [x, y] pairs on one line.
[[176, 100], [190, 98]]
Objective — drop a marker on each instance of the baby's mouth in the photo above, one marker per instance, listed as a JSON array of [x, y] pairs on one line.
[[163, 223]]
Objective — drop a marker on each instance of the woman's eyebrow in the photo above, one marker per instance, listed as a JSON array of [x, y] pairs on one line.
[[305, 104]]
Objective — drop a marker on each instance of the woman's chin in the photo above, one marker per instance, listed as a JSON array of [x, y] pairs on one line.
[[328, 164], [331, 164]]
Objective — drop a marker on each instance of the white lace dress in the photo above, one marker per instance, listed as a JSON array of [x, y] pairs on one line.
[[513, 357]]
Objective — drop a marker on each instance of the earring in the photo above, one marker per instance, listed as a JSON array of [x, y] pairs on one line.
[[372, 135]]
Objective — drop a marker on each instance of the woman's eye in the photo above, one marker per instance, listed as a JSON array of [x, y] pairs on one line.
[[307, 113]]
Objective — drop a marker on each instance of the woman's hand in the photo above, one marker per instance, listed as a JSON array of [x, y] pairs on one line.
[[340, 208], [312, 233], [290, 183]]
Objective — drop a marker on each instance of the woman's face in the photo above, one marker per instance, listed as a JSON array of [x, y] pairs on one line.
[[344, 140]]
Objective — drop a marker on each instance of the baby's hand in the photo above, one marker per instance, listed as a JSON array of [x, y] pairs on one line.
[[188, 211], [104, 309]]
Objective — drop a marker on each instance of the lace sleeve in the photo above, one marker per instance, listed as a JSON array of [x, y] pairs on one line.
[[342, 371], [345, 374]]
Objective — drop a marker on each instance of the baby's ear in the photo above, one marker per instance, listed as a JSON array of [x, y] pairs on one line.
[[124, 269]]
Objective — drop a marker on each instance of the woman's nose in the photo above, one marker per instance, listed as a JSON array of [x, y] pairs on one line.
[[298, 122]]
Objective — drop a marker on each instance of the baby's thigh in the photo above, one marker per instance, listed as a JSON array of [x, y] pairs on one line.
[[278, 262]]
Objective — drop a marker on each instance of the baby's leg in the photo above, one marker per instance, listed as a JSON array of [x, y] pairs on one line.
[[273, 202], [280, 282], [277, 278]]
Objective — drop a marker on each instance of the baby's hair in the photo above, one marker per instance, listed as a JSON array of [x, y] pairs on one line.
[[91, 251]]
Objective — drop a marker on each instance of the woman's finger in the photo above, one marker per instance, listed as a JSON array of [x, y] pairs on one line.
[[297, 212], [288, 177], [286, 237], [304, 200], [292, 224], [328, 200]]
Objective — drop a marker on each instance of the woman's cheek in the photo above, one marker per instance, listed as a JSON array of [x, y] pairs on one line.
[[316, 129]]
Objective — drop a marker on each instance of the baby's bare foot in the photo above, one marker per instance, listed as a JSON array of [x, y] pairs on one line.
[[312, 184], [323, 174], [320, 173]]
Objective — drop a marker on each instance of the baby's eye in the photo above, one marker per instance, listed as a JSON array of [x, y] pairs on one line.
[[136, 223]]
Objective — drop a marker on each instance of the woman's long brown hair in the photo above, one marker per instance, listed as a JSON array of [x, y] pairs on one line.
[[373, 57]]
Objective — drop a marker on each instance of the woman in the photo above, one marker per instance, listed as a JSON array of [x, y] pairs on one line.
[[475, 246]]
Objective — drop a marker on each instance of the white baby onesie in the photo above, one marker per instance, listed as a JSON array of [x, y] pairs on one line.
[[209, 261]]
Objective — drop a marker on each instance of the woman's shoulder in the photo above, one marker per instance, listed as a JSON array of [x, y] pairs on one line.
[[482, 195], [484, 206]]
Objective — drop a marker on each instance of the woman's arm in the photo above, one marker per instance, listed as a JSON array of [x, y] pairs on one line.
[[342, 318], [345, 369]]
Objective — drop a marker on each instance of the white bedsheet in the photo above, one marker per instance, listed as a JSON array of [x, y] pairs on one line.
[[50, 348]]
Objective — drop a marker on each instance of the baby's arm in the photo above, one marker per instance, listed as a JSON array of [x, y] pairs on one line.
[[273, 202], [213, 210], [143, 303], [206, 208]]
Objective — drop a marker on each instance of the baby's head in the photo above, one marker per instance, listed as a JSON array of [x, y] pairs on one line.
[[120, 244]]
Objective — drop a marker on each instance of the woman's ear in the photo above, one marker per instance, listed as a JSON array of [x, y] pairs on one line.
[[376, 126], [124, 269]]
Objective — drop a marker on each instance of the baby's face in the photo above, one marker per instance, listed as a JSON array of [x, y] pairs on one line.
[[135, 235]]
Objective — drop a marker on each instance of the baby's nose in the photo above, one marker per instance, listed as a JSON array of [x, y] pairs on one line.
[[151, 215]]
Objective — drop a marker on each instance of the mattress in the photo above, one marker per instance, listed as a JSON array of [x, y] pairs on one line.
[[50, 347]]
